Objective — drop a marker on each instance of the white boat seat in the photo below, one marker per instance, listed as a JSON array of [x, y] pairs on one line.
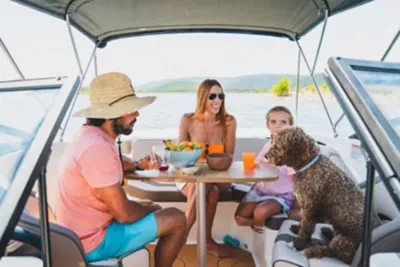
[[67, 250], [384, 239]]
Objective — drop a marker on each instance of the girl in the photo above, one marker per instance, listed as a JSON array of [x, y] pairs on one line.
[[266, 199]]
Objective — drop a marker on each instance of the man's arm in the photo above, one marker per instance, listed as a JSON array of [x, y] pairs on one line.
[[123, 210]]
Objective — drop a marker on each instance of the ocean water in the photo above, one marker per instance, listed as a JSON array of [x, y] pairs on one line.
[[161, 119]]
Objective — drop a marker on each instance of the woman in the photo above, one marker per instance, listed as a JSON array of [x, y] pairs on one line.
[[211, 126]]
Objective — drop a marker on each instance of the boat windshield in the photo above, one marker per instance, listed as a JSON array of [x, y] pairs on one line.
[[21, 114], [373, 88], [30, 115], [383, 88]]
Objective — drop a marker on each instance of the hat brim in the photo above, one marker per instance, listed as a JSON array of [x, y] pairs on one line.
[[116, 110]]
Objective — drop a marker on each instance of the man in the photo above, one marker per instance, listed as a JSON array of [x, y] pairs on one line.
[[91, 200]]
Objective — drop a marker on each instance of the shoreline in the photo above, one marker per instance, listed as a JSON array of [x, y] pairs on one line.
[[304, 95]]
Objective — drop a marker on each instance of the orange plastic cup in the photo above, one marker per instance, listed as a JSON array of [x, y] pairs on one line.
[[248, 160]]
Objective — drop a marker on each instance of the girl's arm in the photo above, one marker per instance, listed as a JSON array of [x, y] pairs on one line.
[[261, 155], [184, 128], [230, 138]]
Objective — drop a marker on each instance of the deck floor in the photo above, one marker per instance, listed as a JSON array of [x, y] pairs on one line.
[[187, 258]]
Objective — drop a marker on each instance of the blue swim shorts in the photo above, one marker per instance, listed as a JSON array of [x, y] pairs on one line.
[[123, 238]]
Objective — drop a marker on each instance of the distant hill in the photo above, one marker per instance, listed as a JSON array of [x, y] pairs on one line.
[[240, 83]]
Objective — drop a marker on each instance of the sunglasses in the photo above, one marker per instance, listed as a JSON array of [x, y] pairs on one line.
[[212, 96]]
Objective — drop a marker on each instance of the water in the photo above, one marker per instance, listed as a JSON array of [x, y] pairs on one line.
[[161, 119]]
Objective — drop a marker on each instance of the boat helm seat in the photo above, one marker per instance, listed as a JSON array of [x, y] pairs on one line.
[[384, 239], [67, 250]]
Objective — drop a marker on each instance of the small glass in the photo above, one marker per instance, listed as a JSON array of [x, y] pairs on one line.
[[248, 160], [160, 155]]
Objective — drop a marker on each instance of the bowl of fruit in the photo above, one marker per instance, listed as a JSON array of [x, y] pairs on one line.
[[183, 155]]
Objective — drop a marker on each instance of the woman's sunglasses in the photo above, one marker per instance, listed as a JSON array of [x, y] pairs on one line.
[[212, 96]]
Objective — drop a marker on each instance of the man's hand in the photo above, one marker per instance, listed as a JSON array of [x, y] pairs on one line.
[[149, 162]]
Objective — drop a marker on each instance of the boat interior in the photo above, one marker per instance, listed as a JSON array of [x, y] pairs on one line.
[[370, 157]]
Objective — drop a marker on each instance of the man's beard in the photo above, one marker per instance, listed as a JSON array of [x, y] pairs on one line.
[[119, 127]]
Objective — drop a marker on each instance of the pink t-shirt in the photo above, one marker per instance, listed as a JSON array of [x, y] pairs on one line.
[[90, 161], [285, 181]]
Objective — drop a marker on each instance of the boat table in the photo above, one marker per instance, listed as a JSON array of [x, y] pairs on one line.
[[235, 174]]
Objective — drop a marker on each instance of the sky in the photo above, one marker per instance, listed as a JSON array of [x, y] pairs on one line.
[[41, 46]]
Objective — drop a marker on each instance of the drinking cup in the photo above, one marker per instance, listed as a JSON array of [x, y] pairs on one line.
[[161, 156], [248, 160]]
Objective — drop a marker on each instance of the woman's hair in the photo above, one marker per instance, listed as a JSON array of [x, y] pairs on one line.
[[280, 108], [202, 96]]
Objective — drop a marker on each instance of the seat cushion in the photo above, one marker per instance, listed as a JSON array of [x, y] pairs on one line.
[[139, 258], [284, 254]]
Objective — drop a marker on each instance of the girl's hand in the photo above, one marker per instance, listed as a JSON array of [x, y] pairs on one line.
[[295, 214]]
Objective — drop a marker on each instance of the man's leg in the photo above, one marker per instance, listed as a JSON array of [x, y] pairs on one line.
[[171, 230]]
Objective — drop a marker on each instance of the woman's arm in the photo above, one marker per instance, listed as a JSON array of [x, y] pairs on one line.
[[184, 128], [230, 138]]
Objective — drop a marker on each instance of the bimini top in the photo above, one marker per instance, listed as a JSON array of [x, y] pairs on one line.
[[104, 20]]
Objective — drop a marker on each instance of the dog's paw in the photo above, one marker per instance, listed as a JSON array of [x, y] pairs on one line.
[[295, 228], [312, 252], [300, 244]]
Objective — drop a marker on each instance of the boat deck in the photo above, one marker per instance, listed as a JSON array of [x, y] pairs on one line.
[[187, 258]]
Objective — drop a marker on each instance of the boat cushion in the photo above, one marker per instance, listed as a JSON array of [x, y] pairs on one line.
[[284, 254]]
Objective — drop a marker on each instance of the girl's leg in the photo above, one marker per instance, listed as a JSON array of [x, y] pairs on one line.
[[264, 210], [244, 213]]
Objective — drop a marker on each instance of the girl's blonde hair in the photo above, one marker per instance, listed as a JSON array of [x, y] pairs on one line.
[[280, 108]]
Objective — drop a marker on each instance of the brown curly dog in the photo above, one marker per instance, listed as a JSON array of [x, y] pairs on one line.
[[325, 194]]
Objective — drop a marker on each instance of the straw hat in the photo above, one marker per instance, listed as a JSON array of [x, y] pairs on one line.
[[112, 96]]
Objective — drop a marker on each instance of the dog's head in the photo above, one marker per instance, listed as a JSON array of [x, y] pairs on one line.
[[292, 147]]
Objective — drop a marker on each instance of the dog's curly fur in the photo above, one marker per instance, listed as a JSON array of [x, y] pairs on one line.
[[325, 194]]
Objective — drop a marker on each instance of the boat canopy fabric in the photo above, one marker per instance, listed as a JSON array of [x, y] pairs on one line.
[[104, 20]]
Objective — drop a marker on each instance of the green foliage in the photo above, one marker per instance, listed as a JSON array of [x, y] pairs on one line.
[[260, 91], [282, 88], [178, 86], [84, 90], [323, 87]]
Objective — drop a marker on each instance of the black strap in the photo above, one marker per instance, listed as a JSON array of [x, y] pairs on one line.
[[119, 99]]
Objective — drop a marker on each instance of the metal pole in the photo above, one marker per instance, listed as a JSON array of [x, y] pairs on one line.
[[8, 54], [318, 90], [96, 72], [74, 46], [298, 86], [44, 220], [201, 224], [369, 193], [320, 40], [77, 93], [391, 46]]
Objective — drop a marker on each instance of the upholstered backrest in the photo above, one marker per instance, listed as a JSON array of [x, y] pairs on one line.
[[385, 238], [66, 248]]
